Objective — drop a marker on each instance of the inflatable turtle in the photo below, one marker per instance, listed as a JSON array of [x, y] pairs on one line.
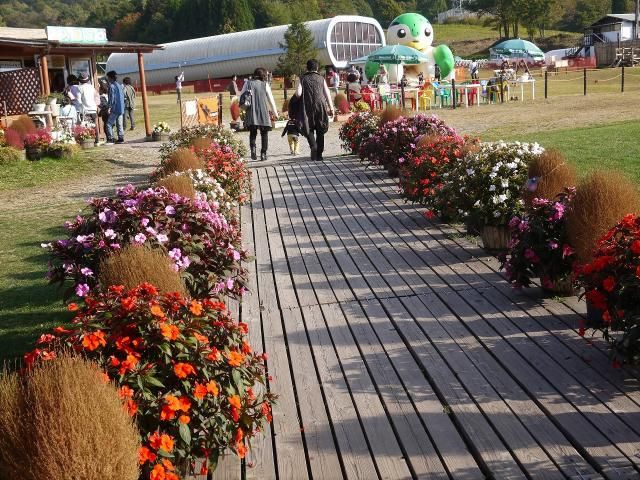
[[415, 31]]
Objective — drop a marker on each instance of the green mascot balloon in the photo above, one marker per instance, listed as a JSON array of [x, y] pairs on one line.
[[415, 31]]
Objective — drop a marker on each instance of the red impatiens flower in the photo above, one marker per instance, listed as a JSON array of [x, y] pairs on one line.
[[146, 455]]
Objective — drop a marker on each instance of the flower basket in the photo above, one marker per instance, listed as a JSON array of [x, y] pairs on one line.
[[279, 123], [39, 107], [33, 153], [160, 136], [495, 238], [87, 143]]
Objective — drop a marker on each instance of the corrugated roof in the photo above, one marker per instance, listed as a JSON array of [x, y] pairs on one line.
[[623, 16]]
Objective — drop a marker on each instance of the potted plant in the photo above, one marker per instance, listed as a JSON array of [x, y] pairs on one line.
[[41, 103], [36, 144], [539, 246], [491, 181], [84, 136], [161, 131], [611, 281], [359, 127]]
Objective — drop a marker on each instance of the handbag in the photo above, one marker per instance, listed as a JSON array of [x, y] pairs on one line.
[[246, 98]]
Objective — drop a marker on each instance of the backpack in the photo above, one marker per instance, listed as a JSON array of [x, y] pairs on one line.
[[246, 98]]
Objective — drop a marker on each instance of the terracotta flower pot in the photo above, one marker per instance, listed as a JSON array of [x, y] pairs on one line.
[[495, 238]]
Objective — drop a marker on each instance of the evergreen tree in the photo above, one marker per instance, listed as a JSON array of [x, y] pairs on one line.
[[622, 6], [431, 8], [299, 46]]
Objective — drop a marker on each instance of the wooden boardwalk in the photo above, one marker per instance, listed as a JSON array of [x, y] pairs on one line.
[[399, 351]]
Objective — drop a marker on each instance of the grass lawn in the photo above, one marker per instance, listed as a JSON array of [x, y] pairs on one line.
[[607, 147], [25, 173], [28, 305]]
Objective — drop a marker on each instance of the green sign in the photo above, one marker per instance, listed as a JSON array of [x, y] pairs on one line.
[[77, 35]]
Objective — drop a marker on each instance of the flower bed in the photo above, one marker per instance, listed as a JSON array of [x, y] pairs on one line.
[[396, 139], [183, 367], [424, 173], [539, 245], [356, 129], [612, 285], [229, 169], [203, 245]]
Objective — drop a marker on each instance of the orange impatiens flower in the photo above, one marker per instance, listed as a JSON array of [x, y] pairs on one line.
[[72, 307], [235, 359], [158, 473], [166, 443], [128, 303], [185, 403], [156, 311], [183, 370], [241, 450], [170, 332], [125, 392], [94, 340], [184, 419], [196, 308], [212, 388], [145, 455], [214, 355], [131, 407], [200, 338], [234, 401], [170, 407], [200, 391], [128, 364]]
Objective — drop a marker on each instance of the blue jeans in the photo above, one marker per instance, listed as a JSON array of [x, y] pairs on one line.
[[114, 118]]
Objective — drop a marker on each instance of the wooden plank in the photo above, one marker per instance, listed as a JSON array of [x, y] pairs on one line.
[[384, 446], [584, 436], [404, 373], [314, 249], [289, 447], [330, 221], [323, 456], [557, 446], [310, 206], [356, 457], [260, 461]]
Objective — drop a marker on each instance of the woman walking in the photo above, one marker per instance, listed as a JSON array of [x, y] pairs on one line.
[[258, 117], [315, 102]]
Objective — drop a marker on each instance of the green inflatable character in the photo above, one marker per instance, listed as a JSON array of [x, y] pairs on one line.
[[415, 31]]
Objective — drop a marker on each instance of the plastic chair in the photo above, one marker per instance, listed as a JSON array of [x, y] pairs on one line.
[[425, 97], [387, 97], [442, 94]]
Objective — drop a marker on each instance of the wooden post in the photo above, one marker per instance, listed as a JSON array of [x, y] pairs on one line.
[[453, 92], [622, 81], [546, 84], [45, 75], [584, 81], [143, 89], [501, 89], [220, 109], [402, 99]]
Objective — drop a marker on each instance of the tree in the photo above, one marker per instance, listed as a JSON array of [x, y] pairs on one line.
[[431, 8], [299, 46], [622, 6], [386, 10]]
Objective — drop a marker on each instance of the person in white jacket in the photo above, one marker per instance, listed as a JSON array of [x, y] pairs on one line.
[[89, 99]]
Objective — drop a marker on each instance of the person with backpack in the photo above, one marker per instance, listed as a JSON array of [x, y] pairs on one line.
[[129, 102], [315, 108], [257, 100]]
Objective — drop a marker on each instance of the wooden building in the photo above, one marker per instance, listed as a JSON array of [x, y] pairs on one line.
[[36, 62]]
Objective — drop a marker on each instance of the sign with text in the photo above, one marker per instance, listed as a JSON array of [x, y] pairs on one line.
[[77, 35]]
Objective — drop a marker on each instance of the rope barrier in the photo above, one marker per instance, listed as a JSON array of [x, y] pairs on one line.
[[580, 78], [606, 79]]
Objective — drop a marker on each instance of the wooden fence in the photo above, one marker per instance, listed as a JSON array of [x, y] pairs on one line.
[[606, 52]]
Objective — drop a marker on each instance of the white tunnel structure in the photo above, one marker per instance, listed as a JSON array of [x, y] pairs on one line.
[[338, 40]]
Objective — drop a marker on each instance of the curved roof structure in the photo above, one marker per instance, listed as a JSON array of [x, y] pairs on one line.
[[338, 40]]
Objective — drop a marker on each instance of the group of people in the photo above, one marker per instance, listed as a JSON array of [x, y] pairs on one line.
[[114, 103], [309, 111]]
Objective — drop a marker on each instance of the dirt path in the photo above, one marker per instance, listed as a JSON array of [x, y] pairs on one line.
[[133, 162]]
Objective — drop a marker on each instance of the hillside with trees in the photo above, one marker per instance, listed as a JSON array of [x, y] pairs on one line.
[[159, 21]]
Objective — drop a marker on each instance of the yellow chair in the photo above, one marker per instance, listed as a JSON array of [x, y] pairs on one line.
[[425, 98]]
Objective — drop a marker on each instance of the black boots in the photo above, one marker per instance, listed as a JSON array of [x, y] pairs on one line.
[[254, 156], [263, 156]]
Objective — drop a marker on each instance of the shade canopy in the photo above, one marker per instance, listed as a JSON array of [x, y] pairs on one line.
[[517, 48], [394, 54]]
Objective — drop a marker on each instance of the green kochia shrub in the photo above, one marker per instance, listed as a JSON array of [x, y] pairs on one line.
[[9, 155]]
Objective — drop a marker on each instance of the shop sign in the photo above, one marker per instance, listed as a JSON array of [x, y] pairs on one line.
[[77, 35]]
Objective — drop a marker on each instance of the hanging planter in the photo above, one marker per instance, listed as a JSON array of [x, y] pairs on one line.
[[495, 238]]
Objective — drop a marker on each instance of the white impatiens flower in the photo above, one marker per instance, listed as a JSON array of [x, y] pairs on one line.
[[470, 171], [502, 197], [497, 214], [505, 183], [492, 188]]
